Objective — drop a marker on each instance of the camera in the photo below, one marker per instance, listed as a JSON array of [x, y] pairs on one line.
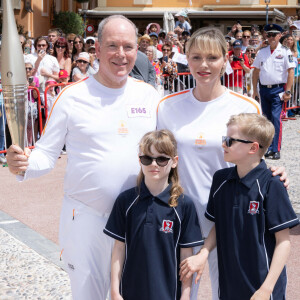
[[30, 80], [235, 58], [253, 55]]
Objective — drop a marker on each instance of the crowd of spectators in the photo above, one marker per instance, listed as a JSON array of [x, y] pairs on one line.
[[46, 57]]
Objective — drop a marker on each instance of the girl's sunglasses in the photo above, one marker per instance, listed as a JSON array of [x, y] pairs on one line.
[[228, 141], [60, 46], [161, 161]]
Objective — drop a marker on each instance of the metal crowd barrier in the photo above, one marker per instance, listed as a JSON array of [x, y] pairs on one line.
[[181, 82], [37, 115]]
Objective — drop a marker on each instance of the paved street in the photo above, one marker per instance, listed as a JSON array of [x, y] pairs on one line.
[[29, 216]]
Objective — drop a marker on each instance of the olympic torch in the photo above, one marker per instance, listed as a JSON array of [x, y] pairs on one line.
[[14, 82]]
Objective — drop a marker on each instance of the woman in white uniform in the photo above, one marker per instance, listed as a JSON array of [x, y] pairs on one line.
[[198, 118]]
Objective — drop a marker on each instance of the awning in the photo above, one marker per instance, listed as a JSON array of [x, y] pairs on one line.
[[275, 14]]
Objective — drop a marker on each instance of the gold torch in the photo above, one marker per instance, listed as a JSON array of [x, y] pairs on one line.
[[14, 82]]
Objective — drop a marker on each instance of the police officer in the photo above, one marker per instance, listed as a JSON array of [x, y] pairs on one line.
[[274, 69]]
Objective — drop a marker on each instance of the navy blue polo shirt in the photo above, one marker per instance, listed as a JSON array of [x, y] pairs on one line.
[[247, 212], [153, 233]]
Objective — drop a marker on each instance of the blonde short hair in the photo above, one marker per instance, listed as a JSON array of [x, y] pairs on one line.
[[208, 40], [254, 127]]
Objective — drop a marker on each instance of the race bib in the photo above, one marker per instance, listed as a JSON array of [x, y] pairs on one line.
[[138, 111]]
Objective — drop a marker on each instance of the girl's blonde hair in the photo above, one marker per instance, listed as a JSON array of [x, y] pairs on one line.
[[208, 40], [164, 142]]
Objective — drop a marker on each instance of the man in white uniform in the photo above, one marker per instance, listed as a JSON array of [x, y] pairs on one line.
[[101, 120]]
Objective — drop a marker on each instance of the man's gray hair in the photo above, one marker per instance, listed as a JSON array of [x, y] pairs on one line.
[[106, 20]]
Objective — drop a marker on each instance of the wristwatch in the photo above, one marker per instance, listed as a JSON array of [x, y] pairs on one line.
[[288, 92]]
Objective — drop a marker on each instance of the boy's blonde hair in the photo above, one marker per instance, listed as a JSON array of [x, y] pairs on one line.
[[207, 40], [164, 142], [256, 128]]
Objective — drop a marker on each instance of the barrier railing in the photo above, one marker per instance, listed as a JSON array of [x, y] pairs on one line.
[[59, 86], [182, 81], [35, 119]]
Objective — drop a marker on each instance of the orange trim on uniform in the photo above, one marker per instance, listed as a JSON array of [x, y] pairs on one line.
[[61, 252], [248, 100], [57, 100], [169, 96]]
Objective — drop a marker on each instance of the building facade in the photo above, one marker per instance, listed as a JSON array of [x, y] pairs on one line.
[[36, 15]]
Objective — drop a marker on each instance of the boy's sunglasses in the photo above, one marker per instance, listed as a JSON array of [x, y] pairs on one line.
[[161, 161], [228, 141], [271, 34]]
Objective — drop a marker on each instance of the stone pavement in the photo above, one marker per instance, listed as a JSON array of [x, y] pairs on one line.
[[29, 216]]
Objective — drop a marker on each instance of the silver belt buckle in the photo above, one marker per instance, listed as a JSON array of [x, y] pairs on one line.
[[269, 86]]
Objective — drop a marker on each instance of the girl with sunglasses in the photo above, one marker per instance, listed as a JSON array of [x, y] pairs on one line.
[[153, 224]]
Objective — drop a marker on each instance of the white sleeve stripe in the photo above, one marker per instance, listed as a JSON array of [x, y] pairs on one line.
[[209, 214], [259, 190], [114, 234], [131, 205], [219, 187], [284, 223], [190, 243]]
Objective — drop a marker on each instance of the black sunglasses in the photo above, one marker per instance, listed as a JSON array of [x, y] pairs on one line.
[[228, 141], [70, 41], [82, 61], [60, 46], [80, 42], [90, 42], [271, 34], [28, 69], [161, 161]]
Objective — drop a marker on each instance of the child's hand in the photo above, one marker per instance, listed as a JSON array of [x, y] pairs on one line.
[[261, 294], [193, 264], [185, 297]]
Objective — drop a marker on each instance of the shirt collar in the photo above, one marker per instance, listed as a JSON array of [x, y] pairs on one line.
[[251, 177], [164, 196]]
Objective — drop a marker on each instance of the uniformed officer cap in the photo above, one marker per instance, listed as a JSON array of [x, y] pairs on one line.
[[273, 28]]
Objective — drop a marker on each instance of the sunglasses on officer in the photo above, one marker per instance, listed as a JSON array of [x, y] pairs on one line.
[[272, 34], [161, 161], [228, 141]]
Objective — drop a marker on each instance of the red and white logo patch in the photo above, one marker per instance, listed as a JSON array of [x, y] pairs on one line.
[[253, 208], [167, 226]]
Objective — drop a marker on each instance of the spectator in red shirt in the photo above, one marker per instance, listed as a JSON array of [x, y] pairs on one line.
[[240, 64]]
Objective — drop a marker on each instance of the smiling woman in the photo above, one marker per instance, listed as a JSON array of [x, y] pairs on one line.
[[198, 119]]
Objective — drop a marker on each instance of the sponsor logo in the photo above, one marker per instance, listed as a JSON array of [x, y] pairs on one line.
[[122, 130], [279, 56], [200, 140], [253, 208], [167, 226]]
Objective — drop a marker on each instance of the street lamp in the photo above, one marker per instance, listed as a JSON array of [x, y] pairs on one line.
[[267, 10]]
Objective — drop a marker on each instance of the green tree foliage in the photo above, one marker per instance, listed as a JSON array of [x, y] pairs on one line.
[[69, 22]]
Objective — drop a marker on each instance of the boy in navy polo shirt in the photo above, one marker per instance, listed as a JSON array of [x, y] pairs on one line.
[[252, 214], [154, 225]]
